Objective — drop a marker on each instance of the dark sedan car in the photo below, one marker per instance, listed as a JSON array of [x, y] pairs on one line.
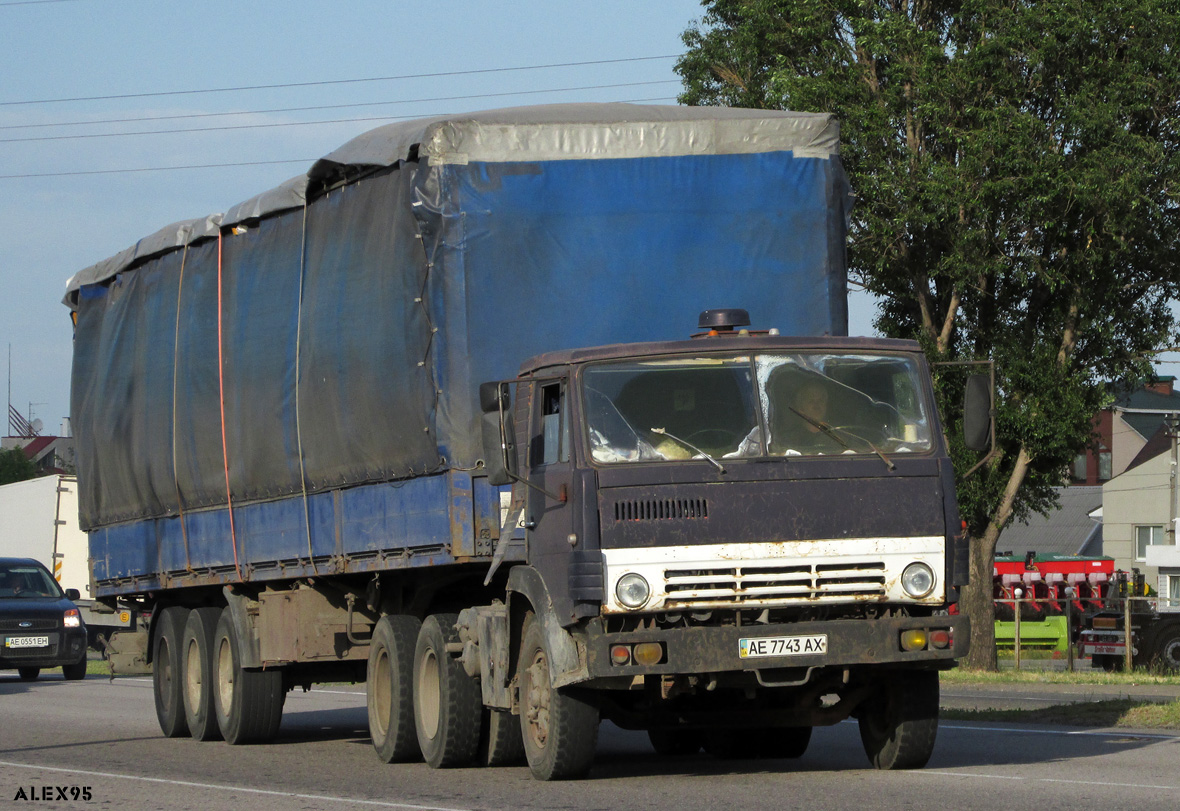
[[39, 625]]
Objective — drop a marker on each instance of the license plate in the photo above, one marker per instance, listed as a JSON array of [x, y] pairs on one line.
[[782, 646], [1105, 650], [27, 642]]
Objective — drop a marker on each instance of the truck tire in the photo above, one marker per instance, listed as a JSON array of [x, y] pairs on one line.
[[1165, 648], [28, 673], [248, 703], [389, 688], [448, 704], [197, 678], [899, 724], [166, 671], [500, 743], [560, 730], [74, 672]]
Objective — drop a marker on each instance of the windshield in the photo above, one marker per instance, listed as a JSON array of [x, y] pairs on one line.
[[25, 580], [805, 404]]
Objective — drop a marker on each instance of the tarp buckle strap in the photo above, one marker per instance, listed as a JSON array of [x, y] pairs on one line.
[[188, 564], [429, 256], [229, 500], [298, 423]]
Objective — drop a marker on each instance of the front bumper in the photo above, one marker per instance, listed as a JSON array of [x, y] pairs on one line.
[[714, 649], [66, 647]]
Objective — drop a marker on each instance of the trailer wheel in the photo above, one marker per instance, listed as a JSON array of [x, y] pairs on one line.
[[560, 730], [28, 673], [166, 671], [1165, 648], [500, 743], [389, 688], [197, 677], [899, 725], [448, 704], [248, 703]]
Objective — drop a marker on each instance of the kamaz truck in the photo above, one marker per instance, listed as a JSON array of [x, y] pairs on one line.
[[429, 417]]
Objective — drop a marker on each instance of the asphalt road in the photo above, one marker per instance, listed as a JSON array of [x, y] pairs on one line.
[[100, 738]]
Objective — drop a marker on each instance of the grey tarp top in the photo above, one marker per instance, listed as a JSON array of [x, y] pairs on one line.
[[561, 130]]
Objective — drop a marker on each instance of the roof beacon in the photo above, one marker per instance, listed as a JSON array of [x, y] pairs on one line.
[[719, 322]]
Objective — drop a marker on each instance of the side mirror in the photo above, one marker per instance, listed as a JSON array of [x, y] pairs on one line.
[[73, 594], [977, 412], [499, 437]]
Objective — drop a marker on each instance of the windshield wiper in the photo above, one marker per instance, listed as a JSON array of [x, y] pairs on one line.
[[830, 430], [688, 444]]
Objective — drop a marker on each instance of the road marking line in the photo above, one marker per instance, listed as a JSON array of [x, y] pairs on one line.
[[1044, 779], [219, 787], [1100, 734]]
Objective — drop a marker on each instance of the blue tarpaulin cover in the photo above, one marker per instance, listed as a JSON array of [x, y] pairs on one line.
[[336, 329]]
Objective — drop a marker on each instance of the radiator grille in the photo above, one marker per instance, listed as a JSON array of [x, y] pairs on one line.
[[775, 584], [662, 509], [37, 625]]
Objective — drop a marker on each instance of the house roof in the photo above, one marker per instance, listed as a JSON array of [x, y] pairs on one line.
[[1159, 443], [35, 449], [1068, 530], [1144, 410]]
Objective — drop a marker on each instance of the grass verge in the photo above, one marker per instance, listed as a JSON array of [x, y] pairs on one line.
[[963, 676], [1118, 712]]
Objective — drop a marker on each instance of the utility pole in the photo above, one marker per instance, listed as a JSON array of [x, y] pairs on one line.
[[1173, 422]]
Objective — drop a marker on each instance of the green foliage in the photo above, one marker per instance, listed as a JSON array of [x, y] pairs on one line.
[[1013, 164], [14, 467]]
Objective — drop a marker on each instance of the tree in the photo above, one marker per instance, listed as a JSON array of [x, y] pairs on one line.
[[15, 467], [1014, 166]]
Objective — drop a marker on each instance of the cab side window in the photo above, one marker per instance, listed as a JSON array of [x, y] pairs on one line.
[[551, 445]]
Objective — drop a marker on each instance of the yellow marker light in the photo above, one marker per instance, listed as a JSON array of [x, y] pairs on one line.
[[649, 653], [913, 639]]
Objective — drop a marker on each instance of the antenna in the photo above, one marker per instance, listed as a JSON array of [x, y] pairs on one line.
[[10, 388]]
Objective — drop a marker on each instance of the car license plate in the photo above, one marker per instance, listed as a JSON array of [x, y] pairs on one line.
[[782, 646], [27, 642]]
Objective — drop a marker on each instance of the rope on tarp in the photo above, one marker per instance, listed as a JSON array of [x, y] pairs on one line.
[[298, 423], [188, 564], [233, 534]]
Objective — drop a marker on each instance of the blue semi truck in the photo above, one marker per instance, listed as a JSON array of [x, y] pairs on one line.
[[428, 416]]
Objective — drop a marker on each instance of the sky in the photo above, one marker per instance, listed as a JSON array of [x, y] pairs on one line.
[[121, 73]]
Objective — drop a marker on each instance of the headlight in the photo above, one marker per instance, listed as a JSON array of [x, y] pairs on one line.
[[632, 590], [72, 619], [917, 580]]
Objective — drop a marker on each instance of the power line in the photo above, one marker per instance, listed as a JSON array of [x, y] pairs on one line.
[[288, 110], [227, 165], [155, 169], [35, 2], [337, 81]]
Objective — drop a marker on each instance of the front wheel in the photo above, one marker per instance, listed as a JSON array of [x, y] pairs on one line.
[[560, 730], [898, 725], [74, 672], [28, 673]]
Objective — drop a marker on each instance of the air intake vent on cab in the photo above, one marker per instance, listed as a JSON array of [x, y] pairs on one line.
[[662, 509]]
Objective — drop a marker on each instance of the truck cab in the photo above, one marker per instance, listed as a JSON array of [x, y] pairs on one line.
[[730, 528]]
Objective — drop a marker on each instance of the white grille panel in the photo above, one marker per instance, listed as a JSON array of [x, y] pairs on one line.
[[774, 585]]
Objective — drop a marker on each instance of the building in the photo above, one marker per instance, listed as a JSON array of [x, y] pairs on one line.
[[1124, 429], [50, 454], [1136, 511]]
